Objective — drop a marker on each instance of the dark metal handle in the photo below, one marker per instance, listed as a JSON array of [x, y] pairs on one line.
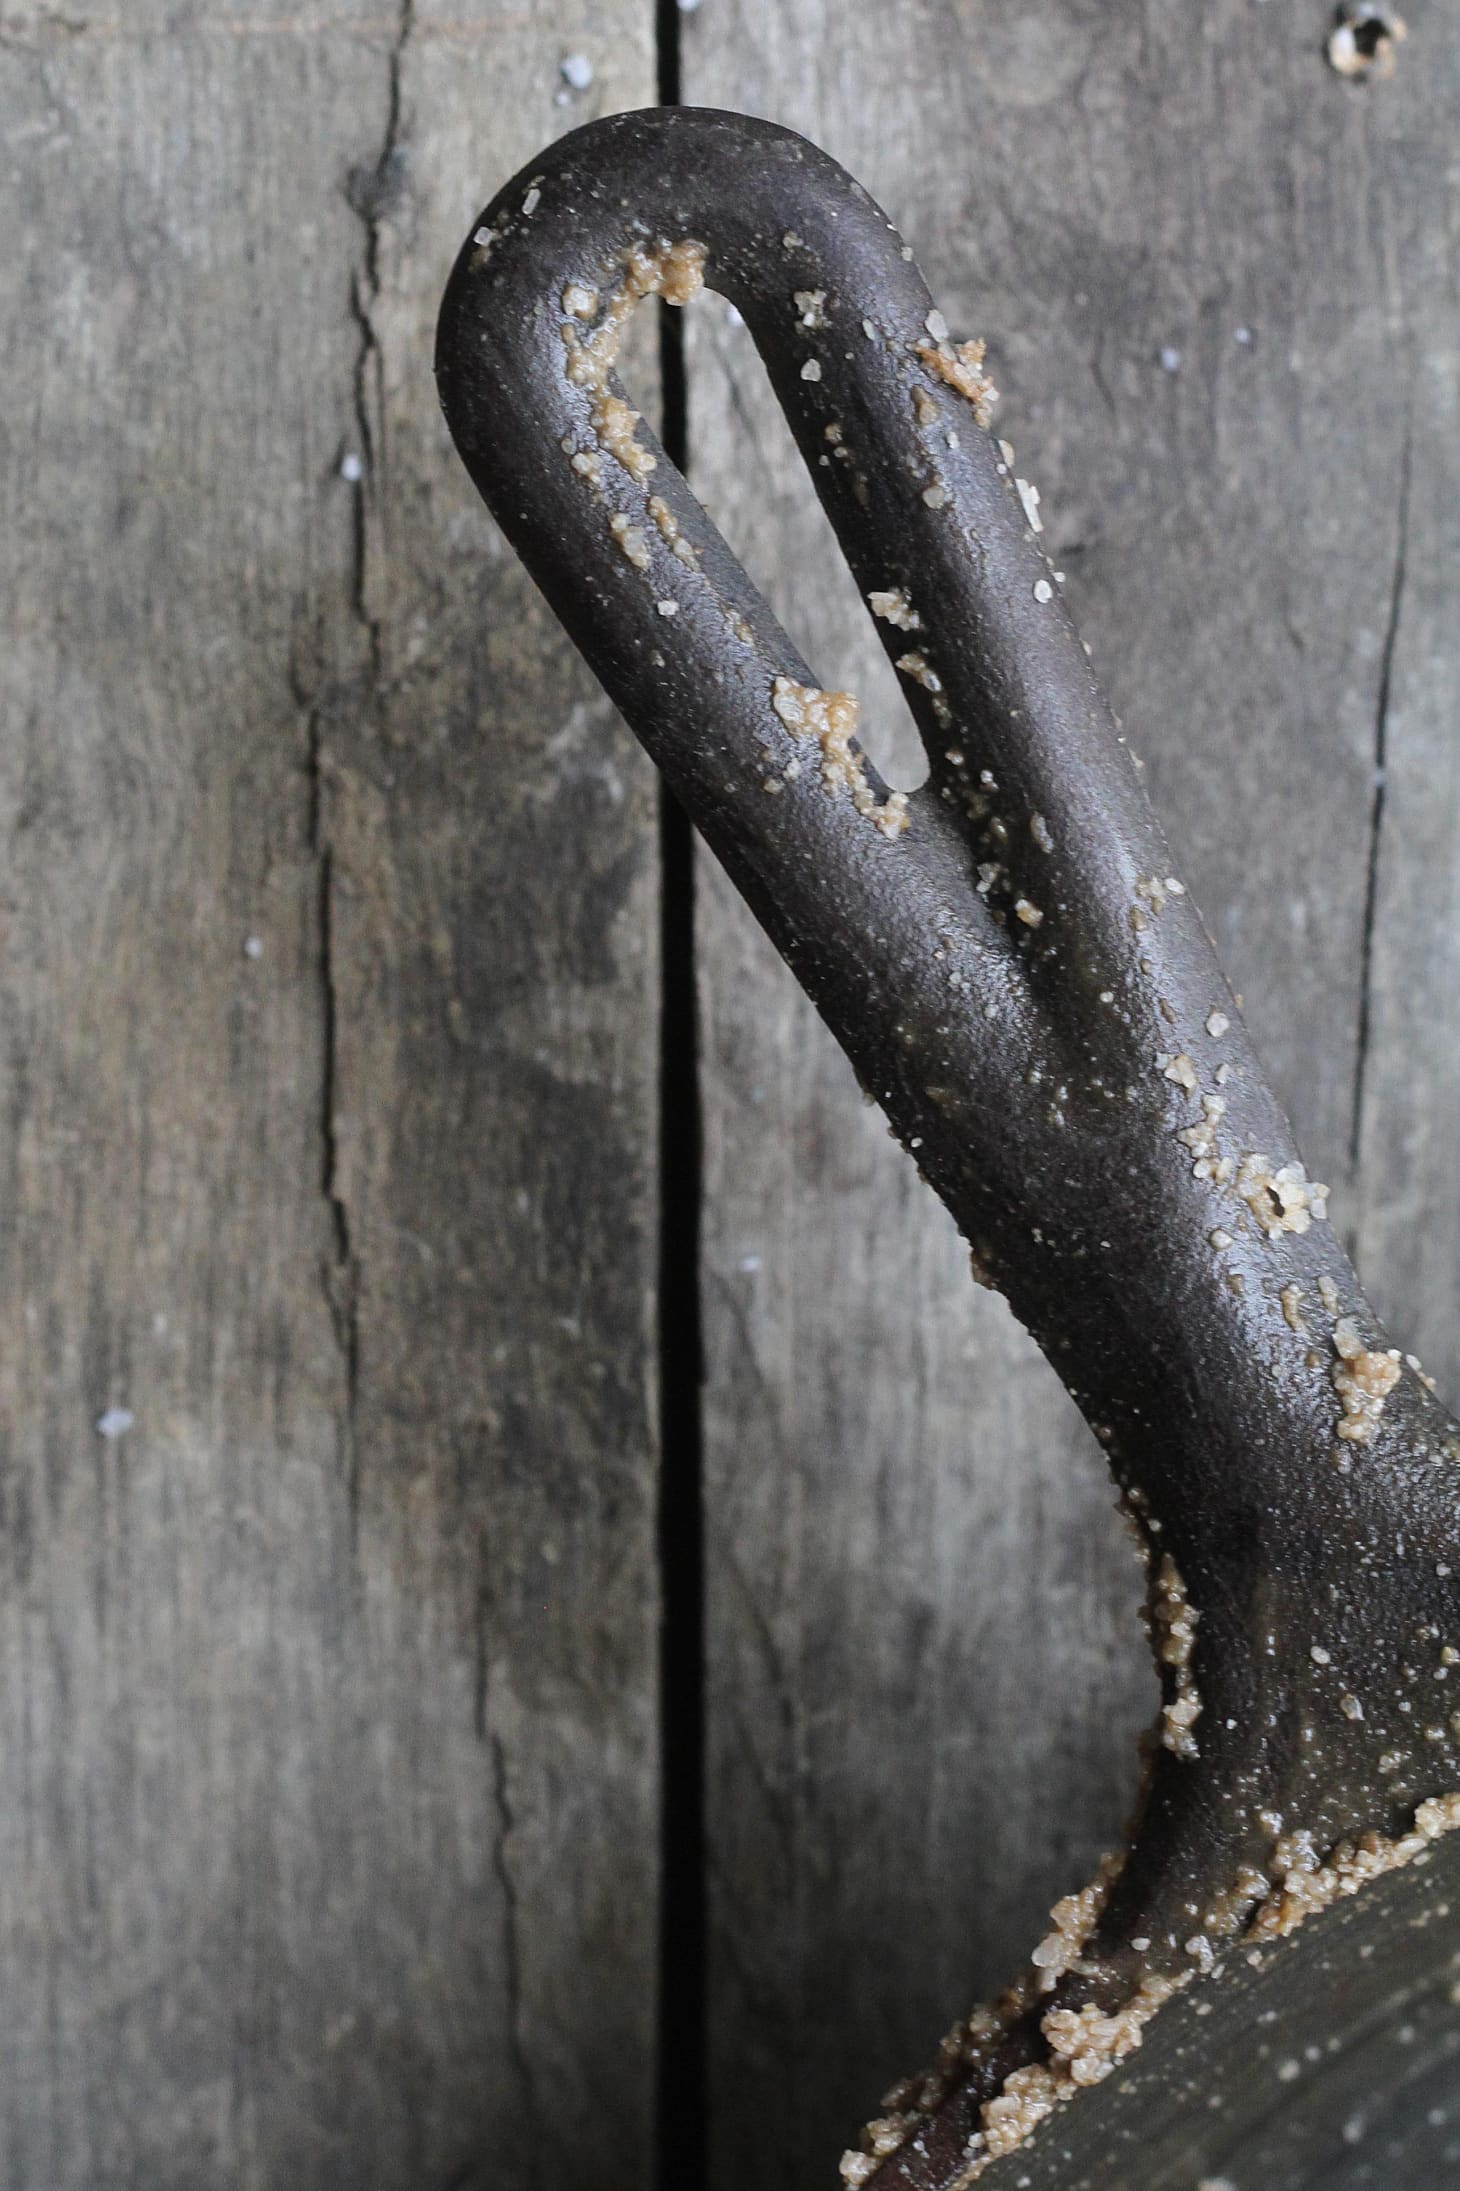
[[1011, 962]]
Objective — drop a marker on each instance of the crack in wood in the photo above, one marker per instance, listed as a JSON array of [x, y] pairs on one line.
[[1382, 702], [518, 2050]]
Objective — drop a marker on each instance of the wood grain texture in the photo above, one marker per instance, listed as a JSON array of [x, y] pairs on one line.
[[328, 1691], [925, 1671], [328, 1821]]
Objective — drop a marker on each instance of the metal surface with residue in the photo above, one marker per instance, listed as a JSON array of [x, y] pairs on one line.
[[961, 960]]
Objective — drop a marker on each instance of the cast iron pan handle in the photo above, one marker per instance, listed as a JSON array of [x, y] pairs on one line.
[[1010, 960]]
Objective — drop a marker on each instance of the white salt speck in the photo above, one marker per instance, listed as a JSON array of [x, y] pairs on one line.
[[115, 1423], [811, 370], [351, 468], [1170, 360], [1319, 1656], [1217, 1025], [253, 947], [937, 326], [576, 71], [531, 202], [1006, 451], [1043, 590], [1029, 496], [869, 330], [937, 496], [667, 608]]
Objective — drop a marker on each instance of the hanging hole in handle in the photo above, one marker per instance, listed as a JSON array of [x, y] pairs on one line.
[[913, 489], [763, 501]]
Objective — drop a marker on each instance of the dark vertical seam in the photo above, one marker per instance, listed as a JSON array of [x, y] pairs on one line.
[[518, 2050], [681, 2052], [1376, 811], [369, 191]]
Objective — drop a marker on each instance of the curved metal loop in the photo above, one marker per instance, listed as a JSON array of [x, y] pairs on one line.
[[658, 602], [889, 418]]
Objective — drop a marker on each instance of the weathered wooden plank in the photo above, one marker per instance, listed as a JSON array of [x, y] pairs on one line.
[[328, 1824], [1199, 258]]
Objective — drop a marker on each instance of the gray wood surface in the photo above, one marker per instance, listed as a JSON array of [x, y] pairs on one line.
[[329, 1806], [328, 1691], [924, 1671]]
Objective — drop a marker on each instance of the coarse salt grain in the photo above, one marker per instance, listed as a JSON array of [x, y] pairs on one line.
[[893, 607], [831, 719], [1363, 1377]]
